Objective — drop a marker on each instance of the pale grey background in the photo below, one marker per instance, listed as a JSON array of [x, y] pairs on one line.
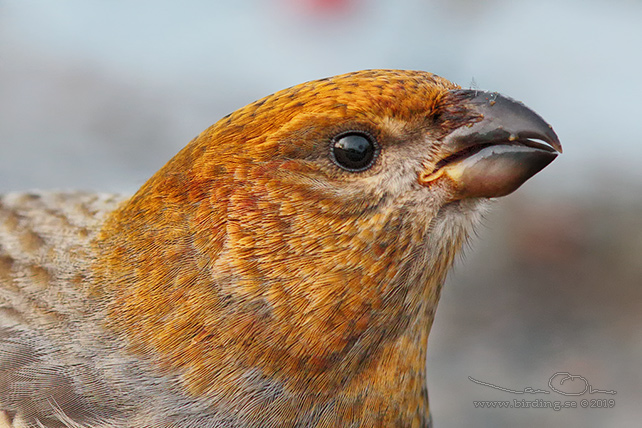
[[98, 95]]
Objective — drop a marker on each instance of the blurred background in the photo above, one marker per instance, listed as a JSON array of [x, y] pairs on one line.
[[98, 95]]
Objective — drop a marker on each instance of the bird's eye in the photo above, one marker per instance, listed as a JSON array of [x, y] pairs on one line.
[[354, 151]]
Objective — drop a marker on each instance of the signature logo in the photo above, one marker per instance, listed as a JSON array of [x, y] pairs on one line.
[[562, 383]]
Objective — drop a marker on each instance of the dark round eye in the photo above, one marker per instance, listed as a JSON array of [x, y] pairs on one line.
[[354, 151]]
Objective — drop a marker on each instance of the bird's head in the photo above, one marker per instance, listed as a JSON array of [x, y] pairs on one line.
[[315, 226]]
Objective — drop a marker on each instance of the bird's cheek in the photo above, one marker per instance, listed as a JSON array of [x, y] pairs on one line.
[[492, 172]]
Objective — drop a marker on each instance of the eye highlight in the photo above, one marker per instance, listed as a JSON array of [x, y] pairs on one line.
[[354, 151]]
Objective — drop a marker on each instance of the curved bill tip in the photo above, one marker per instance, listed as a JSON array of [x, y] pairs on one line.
[[506, 118]]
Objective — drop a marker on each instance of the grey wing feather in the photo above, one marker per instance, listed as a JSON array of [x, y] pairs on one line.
[[33, 389], [42, 382]]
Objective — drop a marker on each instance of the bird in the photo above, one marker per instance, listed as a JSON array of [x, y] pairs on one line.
[[282, 270]]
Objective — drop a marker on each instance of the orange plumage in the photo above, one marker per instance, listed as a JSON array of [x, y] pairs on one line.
[[256, 280]]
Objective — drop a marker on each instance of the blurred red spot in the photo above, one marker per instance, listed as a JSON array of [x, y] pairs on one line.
[[322, 7]]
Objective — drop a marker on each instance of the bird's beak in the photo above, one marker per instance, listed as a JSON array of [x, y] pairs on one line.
[[495, 155]]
